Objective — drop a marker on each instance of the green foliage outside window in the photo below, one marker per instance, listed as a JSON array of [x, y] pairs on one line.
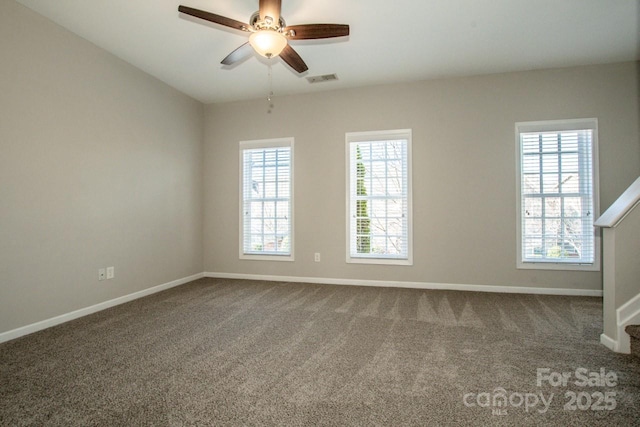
[[363, 223]]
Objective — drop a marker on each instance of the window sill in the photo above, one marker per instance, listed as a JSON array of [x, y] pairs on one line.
[[558, 266], [379, 261], [257, 257]]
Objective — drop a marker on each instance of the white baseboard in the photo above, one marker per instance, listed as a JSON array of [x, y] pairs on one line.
[[414, 285], [38, 326], [627, 314], [608, 342]]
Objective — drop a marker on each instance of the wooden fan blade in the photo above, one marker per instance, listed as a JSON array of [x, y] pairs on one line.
[[316, 31], [271, 8], [292, 58], [212, 17], [238, 55]]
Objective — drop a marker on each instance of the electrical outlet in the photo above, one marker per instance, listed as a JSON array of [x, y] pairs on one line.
[[102, 273], [316, 257], [111, 272]]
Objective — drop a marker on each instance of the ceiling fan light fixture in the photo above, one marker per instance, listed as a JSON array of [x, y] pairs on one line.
[[268, 43]]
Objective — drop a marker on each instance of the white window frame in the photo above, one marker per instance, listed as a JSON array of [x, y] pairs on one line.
[[266, 144], [558, 126], [371, 136]]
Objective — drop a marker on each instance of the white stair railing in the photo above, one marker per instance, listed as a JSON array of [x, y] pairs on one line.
[[621, 268]]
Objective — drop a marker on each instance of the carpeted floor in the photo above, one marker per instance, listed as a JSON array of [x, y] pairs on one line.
[[233, 352]]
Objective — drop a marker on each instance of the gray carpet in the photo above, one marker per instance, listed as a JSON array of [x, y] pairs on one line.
[[231, 352]]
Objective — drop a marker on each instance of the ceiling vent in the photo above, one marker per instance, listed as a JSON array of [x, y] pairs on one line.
[[325, 78]]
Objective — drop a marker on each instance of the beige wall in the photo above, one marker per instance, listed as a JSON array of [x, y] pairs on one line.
[[100, 165], [464, 193]]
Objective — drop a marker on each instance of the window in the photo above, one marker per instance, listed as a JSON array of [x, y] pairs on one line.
[[379, 197], [266, 211], [558, 194]]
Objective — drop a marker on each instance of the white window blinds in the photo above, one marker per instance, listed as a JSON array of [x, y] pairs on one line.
[[379, 204], [558, 194], [266, 209]]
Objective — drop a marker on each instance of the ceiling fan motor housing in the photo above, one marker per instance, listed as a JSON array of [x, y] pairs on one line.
[[267, 23]]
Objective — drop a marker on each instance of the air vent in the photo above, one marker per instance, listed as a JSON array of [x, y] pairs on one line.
[[325, 78]]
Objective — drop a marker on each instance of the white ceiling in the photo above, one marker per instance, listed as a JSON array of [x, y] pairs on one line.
[[390, 41]]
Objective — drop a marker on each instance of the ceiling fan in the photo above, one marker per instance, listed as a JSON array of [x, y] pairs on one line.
[[269, 33]]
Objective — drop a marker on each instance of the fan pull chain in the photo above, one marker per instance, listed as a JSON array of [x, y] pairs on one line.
[[270, 96]]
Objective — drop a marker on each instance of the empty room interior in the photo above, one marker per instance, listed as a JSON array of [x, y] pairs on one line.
[[369, 213]]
